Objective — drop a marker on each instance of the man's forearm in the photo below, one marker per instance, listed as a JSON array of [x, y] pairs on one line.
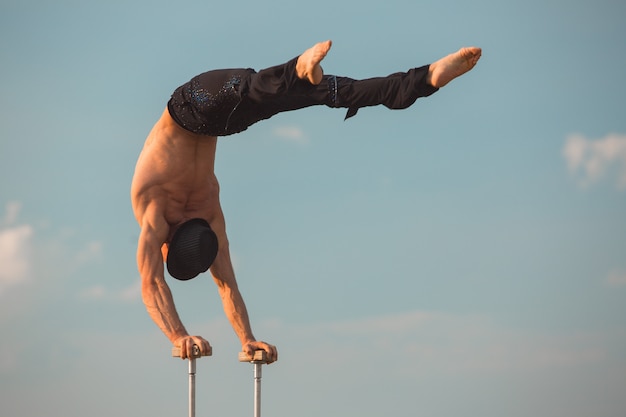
[[156, 295], [232, 301], [234, 306], [160, 306], [237, 314]]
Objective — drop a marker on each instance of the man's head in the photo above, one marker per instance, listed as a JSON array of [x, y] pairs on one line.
[[192, 250]]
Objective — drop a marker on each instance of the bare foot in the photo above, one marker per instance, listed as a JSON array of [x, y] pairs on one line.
[[454, 65], [308, 64]]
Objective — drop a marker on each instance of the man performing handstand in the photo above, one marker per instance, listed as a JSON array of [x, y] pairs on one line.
[[175, 193]]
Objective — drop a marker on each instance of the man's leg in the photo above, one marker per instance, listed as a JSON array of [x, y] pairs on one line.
[[440, 73], [301, 83], [293, 78], [293, 85], [396, 91], [400, 90]]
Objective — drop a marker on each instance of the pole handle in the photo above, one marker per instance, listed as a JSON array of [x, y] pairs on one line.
[[195, 352], [260, 356]]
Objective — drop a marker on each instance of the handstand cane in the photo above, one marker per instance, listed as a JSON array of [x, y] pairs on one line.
[[259, 358], [195, 353]]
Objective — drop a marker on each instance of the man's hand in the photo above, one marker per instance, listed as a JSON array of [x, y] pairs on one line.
[[186, 343], [272, 353]]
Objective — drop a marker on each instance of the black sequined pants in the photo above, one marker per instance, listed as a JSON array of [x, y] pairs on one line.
[[224, 102]]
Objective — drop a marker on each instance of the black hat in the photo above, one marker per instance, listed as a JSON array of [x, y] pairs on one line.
[[192, 250]]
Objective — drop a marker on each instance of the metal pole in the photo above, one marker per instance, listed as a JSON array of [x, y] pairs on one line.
[[259, 358], [192, 387], [195, 353], [257, 388]]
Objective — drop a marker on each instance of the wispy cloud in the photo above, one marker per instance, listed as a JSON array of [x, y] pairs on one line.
[[291, 134], [15, 249], [592, 159], [443, 342], [131, 293], [90, 253], [12, 211], [27, 256], [616, 278], [100, 292], [93, 293]]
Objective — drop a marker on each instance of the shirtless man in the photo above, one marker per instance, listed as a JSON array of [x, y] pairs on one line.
[[174, 179]]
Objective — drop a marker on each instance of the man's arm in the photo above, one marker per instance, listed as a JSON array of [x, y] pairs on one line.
[[234, 306], [155, 292]]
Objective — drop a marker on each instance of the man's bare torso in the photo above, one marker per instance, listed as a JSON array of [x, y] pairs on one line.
[[174, 176]]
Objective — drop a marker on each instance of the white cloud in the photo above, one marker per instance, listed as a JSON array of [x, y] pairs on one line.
[[67, 255], [592, 159], [91, 252], [617, 279], [95, 292], [291, 134], [131, 293], [13, 210], [440, 342], [15, 249], [100, 292], [26, 257]]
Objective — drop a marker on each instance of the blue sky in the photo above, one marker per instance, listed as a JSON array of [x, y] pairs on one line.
[[466, 256]]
